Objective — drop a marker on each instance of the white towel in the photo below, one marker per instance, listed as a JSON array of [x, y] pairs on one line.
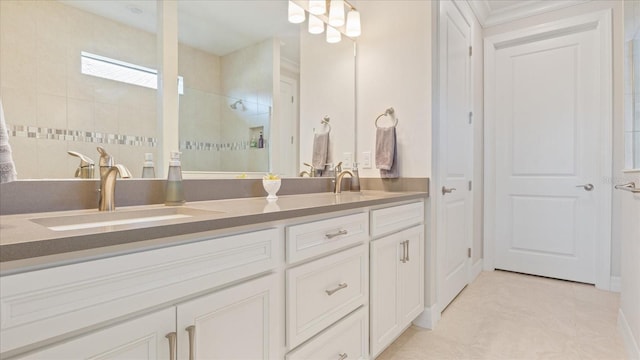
[[387, 153], [320, 150], [7, 167]]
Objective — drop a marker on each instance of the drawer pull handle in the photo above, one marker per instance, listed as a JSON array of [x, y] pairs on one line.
[[403, 259], [331, 236], [340, 287], [407, 247], [191, 330], [172, 345], [343, 356]]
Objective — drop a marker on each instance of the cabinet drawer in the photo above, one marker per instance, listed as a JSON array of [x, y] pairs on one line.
[[39, 305], [396, 218], [316, 238], [323, 291], [349, 339]]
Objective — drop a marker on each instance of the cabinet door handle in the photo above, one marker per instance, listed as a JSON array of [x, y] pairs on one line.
[[343, 356], [191, 329], [172, 345], [340, 287], [407, 247], [331, 236], [405, 256]]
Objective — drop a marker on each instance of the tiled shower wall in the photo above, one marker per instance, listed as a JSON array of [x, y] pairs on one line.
[[45, 96]]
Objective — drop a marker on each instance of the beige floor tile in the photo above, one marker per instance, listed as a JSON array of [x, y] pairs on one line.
[[504, 315]]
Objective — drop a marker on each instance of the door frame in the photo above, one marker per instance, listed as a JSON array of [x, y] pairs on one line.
[[602, 21], [438, 166]]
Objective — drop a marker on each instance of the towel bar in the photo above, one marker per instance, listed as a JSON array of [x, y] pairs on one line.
[[388, 112]]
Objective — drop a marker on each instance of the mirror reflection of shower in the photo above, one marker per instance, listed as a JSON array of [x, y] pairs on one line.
[[239, 104]]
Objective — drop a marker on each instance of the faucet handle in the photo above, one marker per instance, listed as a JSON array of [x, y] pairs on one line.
[[84, 160], [105, 158]]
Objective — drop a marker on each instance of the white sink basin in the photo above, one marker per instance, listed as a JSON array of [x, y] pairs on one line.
[[102, 219]]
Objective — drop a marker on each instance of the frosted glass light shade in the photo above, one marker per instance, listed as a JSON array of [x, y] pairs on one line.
[[296, 13], [316, 26], [336, 13], [353, 23], [317, 7], [333, 35]]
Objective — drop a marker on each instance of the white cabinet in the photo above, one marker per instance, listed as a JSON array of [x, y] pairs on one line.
[[142, 338], [321, 292], [241, 322], [348, 339], [397, 285]]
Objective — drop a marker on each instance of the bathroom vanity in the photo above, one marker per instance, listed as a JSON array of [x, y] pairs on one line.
[[308, 276]]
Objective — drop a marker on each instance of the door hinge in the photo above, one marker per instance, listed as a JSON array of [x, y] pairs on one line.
[[470, 117], [469, 252], [470, 50], [470, 185]]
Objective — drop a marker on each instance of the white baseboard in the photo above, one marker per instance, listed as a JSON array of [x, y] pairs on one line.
[[475, 270], [614, 284], [429, 317], [629, 340]]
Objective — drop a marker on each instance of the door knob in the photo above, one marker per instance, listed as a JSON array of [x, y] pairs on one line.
[[447, 191], [587, 187]]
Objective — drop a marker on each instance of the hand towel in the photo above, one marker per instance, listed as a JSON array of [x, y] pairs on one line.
[[385, 147], [387, 152], [7, 166], [320, 150]]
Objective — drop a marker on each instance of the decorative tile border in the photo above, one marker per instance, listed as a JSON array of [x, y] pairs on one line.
[[225, 146], [36, 132]]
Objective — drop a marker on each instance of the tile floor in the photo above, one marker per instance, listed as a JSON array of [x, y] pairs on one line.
[[504, 315]]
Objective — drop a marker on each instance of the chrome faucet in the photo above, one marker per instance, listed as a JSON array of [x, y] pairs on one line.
[[339, 177], [108, 173]]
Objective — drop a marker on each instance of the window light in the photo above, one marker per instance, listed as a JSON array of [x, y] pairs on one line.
[[116, 70]]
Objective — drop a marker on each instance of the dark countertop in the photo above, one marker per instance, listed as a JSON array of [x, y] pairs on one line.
[[27, 244]]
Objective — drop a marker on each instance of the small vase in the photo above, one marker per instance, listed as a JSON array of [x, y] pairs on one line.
[[271, 187]]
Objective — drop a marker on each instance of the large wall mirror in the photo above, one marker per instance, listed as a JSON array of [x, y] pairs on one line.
[[253, 87]]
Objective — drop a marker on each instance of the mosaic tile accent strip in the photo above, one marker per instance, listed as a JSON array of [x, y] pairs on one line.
[[208, 146], [36, 132]]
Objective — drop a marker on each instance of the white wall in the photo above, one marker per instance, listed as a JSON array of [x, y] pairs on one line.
[[394, 70], [618, 96], [326, 88], [628, 207]]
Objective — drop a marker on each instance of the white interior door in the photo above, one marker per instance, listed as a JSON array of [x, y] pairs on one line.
[[455, 157], [547, 153], [285, 151]]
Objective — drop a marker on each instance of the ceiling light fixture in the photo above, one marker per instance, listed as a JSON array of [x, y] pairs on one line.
[[296, 13], [316, 26], [336, 13], [317, 7], [333, 35], [335, 17], [353, 23]]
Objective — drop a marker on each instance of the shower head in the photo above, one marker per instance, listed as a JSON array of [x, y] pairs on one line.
[[234, 106]]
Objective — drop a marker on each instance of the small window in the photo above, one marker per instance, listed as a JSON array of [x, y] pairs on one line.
[[106, 68]]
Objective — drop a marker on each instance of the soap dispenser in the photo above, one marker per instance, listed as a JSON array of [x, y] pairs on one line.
[[148, 169], [355, 179], [174, 194]]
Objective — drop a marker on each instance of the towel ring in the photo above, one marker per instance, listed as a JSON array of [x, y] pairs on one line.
[[388, 112], [325, 121]]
